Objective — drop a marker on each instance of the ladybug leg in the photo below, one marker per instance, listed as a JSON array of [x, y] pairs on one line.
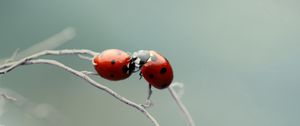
[[141, 76], [134, 71], [148, 101], [149, 92]]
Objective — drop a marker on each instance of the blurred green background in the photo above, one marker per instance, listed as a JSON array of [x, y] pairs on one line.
[[239, 61]]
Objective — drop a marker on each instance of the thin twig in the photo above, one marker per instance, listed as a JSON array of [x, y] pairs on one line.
[[183, 109], [28, 60], [7, 97], [51, 42], [85, 57], [89, 73], [9, 66], [13, 56]]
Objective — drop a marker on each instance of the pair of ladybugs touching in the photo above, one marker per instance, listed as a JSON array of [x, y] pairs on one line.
[[114, 64]]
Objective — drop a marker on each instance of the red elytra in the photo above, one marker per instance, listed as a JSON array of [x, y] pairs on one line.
[[112, 64], [157, 71]]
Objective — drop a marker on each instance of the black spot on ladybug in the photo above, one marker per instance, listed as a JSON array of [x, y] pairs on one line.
[[163, 70], [124, 69], [113, 62], [153, 58], [151, 76], [112, 75]]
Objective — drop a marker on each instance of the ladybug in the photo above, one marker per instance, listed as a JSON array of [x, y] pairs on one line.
[[113, 64], [155, 68]]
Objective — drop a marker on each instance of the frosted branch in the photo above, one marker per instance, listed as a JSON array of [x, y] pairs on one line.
[[183, 109], [9, 66], [84, 75], [86, 55], [7, 97]]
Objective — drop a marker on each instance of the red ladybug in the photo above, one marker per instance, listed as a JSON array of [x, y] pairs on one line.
[[113, 64], [155, 68]]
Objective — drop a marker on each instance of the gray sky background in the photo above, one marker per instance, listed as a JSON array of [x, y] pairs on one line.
[[239, 61]]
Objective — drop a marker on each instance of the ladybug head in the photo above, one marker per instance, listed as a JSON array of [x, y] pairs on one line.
[[140, 57]]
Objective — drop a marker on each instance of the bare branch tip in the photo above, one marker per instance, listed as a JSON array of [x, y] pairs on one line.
[[7, 97]]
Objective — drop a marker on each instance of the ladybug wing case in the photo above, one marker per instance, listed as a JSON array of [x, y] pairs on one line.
[[157, 71], [112, 64]]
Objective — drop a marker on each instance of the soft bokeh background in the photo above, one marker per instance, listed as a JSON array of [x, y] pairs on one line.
[[239, 61]]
